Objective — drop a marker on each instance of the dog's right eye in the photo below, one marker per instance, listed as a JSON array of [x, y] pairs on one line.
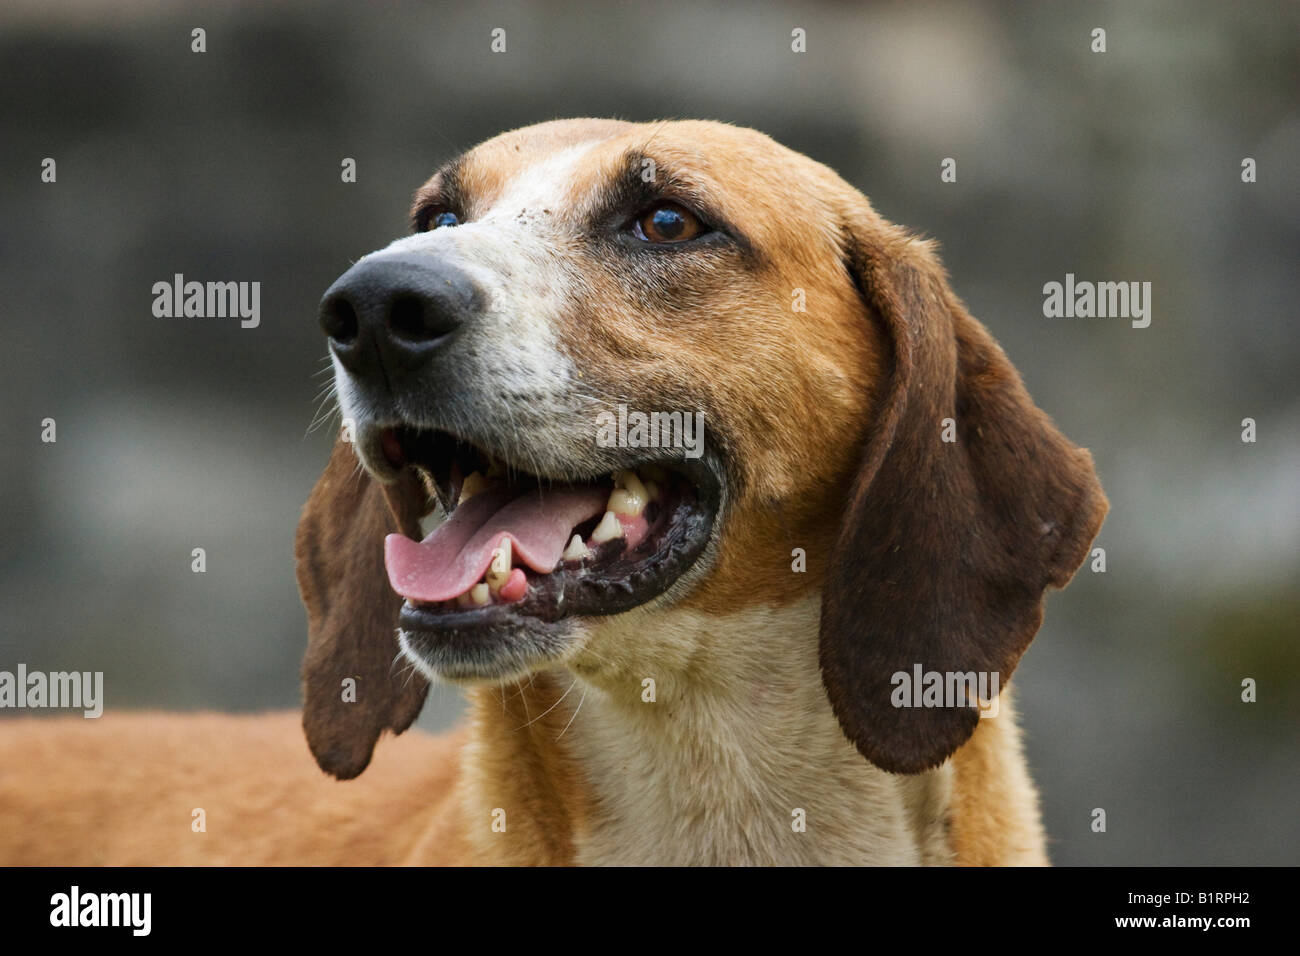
[[444, 219]]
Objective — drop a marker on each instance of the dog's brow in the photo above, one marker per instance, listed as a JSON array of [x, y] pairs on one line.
[[643, 179]]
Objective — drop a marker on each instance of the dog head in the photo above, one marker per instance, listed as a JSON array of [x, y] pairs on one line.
[[622, 366]]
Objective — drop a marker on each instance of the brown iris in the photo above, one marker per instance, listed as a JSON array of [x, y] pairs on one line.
[[668, 222]]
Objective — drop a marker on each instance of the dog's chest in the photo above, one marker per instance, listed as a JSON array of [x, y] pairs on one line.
[[761, 778]]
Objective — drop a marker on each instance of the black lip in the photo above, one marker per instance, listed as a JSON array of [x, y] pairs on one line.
[[499, 641], [494, 643]]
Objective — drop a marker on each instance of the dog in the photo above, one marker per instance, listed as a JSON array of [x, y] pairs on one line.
[[674, 652]]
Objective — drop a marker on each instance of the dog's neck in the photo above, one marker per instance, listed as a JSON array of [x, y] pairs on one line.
[[683, 738]]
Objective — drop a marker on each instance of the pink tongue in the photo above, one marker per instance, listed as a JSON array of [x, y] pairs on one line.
[[454, 558]]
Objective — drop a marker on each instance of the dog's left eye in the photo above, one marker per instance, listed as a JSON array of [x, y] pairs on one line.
[[668, 222], [444, 219]]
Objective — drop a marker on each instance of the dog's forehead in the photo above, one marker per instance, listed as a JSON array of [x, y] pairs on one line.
[[561, 167], [550, 181], [536, 164]]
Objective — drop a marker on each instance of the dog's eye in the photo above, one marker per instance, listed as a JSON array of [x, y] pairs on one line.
[[668, 222], [444, 219]]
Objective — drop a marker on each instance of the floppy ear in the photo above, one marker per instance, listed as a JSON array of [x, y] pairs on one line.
[[352, 616], [946, 548]]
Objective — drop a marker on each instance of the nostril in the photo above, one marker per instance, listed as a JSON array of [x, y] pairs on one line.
[[339, 320], [389, 311], [408, 320]]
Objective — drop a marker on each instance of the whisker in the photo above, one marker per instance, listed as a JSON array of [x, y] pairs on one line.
[[549, 709], [523, 699], [576, 711]]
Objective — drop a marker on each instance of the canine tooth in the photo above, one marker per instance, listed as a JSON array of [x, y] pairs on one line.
[[623, 502], [607, 530], [480, 594], [629, 480], [576, 550], [471, 486], [498, 571]]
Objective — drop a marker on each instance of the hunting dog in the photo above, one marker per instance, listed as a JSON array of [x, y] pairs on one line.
[[679, 648]]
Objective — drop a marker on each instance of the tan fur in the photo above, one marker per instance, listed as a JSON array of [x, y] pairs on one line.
[[517, 763], [121, 791], [995, 818]]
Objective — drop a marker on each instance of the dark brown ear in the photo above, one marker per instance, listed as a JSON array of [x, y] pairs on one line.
[[351, 617], [945, 548]]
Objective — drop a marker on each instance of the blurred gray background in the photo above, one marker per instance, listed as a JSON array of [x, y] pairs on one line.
[[183, 433]]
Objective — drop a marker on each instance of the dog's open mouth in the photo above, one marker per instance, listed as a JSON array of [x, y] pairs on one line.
[[503, 545]]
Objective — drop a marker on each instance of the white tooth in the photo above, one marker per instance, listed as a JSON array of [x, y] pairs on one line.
[[629, 480], [499, 570], [471, 486], [624, 502], [479, 594], [576, 550], [607, 530]]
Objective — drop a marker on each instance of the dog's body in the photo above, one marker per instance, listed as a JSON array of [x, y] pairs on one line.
[[123, 791], [879, 492]]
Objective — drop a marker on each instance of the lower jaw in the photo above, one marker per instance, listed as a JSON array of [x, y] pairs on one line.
[[502, 642], [507, 647]]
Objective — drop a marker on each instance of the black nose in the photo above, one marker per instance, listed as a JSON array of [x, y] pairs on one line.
[[388, 314]]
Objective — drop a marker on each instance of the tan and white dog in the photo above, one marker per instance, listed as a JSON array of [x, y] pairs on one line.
[[675, 653]]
